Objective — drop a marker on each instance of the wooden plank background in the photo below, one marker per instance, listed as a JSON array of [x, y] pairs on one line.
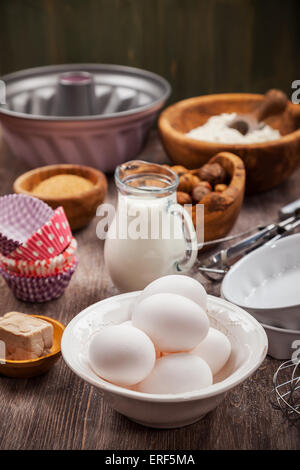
[[200, 46]]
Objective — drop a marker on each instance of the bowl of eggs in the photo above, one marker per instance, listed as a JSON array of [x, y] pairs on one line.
[[165, 356]]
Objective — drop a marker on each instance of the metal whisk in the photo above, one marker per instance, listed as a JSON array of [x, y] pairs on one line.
[[287, 392]]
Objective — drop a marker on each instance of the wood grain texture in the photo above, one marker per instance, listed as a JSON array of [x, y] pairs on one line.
[[200, 46], [60, 411]]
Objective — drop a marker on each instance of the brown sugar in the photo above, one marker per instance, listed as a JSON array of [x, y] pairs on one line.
[[62, 186]]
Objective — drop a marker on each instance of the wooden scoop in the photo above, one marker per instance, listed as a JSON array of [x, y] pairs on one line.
[[275, 102]]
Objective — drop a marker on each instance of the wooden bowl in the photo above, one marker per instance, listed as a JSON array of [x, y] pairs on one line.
[[80, 209], [222, 209], [34, 367], [267, 164]]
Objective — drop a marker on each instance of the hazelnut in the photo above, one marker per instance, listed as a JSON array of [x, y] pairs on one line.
[[195, 180], [183, 198], [206, 184], [195, 172], [185, 183], [199, 192], [219, 188], [214, 173], [179, 170]]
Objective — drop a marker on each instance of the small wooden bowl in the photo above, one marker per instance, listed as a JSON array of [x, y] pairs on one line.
[[80, 209], [34, 367], [222, 209], [267, 164]]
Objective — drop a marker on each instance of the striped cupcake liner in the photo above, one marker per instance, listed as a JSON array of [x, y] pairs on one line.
[[42, 271], [43, 267], [20, 217], [38, 289], [48, 241]]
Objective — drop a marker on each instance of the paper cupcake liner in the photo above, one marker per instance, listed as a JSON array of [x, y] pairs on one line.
[[40, 267], [48, 241], [41, 271], [20, 217], [7, 245], [38, 289]]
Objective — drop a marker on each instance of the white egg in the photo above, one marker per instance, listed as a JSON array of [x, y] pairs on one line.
[[215, 349], [129, 323], [177, 284], [122, 354], [173, 322], [177, 373]]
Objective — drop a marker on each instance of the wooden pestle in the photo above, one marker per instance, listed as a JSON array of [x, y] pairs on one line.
[[274, 102]]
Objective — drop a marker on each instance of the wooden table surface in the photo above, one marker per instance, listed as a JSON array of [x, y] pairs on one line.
[[61, 411]]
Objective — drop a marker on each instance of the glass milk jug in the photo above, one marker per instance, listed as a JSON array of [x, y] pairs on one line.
[[151, 235]]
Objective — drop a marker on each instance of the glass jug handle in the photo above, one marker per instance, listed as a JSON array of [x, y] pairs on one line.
[[190, 237]]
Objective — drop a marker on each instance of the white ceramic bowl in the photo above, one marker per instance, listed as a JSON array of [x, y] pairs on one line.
[[249, 347], [266, 283], [282, 343]]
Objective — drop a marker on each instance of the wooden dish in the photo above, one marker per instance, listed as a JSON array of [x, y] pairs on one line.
[[80, 209], [34, 367], [267, 164], [222, 209]]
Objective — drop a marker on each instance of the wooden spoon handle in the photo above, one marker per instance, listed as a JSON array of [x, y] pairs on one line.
[[275, 102]]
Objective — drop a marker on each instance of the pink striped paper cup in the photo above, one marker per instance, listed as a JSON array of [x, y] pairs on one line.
[[48, 241], [44, 267]]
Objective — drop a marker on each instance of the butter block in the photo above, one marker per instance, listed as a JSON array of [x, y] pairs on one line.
[[25, 337]]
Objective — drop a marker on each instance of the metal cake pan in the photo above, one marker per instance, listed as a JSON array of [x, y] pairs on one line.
[[125, 102]]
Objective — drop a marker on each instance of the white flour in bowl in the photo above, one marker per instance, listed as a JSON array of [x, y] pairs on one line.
[[216, 130]]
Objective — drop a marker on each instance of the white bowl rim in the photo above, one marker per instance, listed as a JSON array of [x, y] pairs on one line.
[[245, 370], [281, 330], [269, 310]]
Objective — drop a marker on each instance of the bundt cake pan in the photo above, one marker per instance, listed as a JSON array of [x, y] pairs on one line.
[[42, 121]]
